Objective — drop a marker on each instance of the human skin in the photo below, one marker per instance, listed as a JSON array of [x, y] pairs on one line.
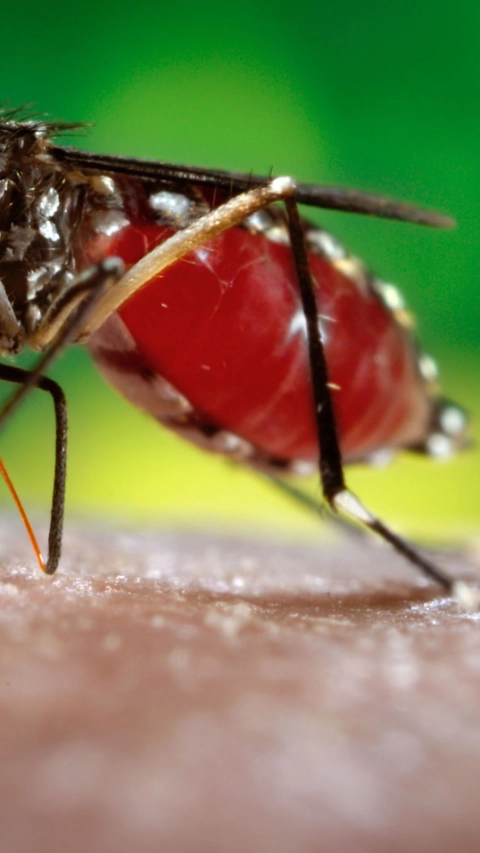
[[189, 694]]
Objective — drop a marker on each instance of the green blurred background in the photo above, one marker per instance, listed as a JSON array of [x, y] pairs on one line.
[[382, 97]]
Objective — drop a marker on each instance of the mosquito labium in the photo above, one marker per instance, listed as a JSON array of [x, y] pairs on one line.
[[209, 302]]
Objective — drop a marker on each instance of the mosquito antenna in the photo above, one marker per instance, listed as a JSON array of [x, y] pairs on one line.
[[23, 515]]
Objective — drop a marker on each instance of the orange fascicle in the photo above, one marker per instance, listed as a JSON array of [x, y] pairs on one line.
[[23, 514]]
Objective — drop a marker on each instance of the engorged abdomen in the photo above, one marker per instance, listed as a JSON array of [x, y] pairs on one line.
[[225, 327]]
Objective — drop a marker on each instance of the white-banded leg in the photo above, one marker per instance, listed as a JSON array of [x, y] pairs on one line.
[[330, 461]]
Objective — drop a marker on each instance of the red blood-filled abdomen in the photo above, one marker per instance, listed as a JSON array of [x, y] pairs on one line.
[[225, 327]]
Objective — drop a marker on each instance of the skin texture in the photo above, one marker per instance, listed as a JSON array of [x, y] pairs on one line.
[[193, 694]]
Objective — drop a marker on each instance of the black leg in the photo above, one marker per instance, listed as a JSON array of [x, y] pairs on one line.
[[330, 463], [91, 286], [22, 377]]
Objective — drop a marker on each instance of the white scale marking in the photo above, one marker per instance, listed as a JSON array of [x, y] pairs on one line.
[[260, 221], [439, 446], [103, 185], [326, 244], [49, 203], [109, 222], [428, 367], [452, 421], [298, 325], [351, 505], [49, 231], [173, 206], [391, 296]]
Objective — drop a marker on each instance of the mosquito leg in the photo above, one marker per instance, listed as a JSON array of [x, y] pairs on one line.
[[318, 507], [94, 280], [91, 285], [232, 213], [330, 464], [8, 373]]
